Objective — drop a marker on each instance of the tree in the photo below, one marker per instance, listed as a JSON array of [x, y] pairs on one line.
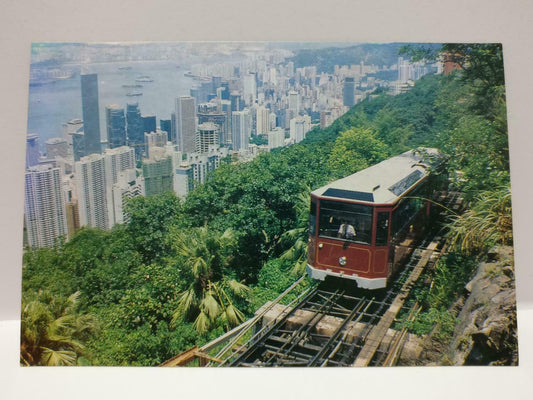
[[150, 220], [51, 330], [356, 149], [209, 298]]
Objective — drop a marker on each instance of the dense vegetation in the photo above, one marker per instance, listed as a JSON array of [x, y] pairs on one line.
[[181, 273]]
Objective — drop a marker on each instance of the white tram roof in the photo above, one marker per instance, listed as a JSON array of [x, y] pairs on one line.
[[385, 182]]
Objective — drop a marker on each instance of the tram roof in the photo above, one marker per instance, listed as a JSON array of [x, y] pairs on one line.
[[384, 182]]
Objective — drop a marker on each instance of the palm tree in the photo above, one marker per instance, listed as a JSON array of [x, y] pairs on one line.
[[51, 330], [297, 238], [209, 298]]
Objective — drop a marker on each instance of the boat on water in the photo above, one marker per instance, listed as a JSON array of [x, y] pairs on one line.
[[144, 78], [132, 86], [189, 74], [124, 68], [132, 94]]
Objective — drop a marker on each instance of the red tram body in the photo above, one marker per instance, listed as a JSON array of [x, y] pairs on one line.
[[363, 226]]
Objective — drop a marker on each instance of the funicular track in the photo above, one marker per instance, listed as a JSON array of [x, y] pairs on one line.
[[333, 325]]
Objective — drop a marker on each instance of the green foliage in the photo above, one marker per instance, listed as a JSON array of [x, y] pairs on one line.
[[356, 149], [440, 323], [151, 219], [482, 68], [449, 278], [171, 271], [209, 300], [274, 278], [259, 140], [487, 223], [52, 330]]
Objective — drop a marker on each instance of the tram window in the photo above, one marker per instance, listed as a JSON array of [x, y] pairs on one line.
[[337, 220], [406, 211], [382, 229], [312, 218]]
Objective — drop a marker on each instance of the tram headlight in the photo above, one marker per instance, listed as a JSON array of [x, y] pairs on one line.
[[342, 261]]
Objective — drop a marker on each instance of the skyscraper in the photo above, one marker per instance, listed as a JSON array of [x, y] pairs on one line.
[[73, 133], [294, 102], [348, 92], [149, 123], [249, 89], [185, 123], [32, 150], [135, 128], [241, 129], [166, 126], [91, 115], [44, 206], [116, 126]]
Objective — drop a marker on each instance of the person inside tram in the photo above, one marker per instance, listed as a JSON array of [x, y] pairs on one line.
[[346, 231]]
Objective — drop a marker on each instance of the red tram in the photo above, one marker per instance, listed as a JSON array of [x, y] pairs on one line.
[[363, 226]]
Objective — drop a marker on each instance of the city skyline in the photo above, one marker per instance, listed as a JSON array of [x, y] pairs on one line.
[[243, 98]]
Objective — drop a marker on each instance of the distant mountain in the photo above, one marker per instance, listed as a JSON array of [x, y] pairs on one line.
[[370, 53]]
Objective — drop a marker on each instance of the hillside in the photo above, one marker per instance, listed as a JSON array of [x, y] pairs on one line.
[[181, 273]]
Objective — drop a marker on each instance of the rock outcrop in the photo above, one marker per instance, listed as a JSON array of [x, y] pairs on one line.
[[486, 331]]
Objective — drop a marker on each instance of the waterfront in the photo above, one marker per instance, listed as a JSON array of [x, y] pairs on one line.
[[54, 103]]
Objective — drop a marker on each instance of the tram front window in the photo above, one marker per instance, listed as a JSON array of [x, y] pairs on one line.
[[346, 221]]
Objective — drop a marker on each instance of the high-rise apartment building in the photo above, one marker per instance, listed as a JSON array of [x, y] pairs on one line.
[[299, 127], [44, 208], [276, 138], [241, 129], [263, 120], [294, 102], [91, 185], [207, 137], [116, 126], [95, 176], [118, 160], [154, 139], [404, 70], [185, 123], [91, 115], [157, 172], [126, 187]]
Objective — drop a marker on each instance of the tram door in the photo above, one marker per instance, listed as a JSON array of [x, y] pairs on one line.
[[381, 256]]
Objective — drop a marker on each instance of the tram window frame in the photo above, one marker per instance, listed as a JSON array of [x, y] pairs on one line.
[[313, 217], [407, 209], [334, 213], [382, 228]]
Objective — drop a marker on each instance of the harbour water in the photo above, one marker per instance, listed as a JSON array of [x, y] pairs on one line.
[[54, 103]]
